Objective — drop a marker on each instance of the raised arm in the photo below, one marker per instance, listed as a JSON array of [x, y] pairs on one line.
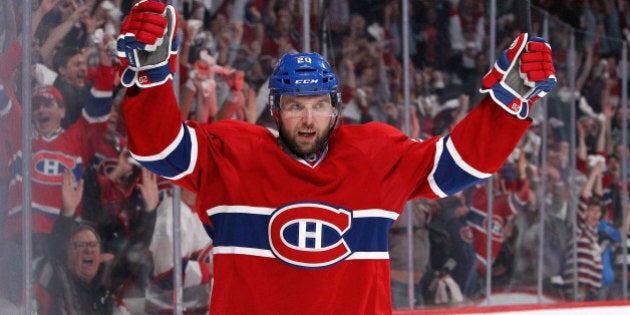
[[593, 185], [71, 195], [147, 49], [522, 74], [130, 259], [58, 33]]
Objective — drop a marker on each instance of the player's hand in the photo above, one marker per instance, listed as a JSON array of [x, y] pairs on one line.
[[147, 44], [522, 74]]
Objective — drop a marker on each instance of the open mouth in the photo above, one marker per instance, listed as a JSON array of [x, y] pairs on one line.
[[87, 262], [306, 134], [43, 120]]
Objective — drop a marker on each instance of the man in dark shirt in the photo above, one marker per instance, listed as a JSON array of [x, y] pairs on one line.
[[71, 65]]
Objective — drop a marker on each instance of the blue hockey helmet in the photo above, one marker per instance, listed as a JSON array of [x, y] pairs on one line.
[[303, 74]]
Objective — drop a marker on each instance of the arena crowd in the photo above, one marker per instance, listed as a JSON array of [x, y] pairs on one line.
[[101, 224]]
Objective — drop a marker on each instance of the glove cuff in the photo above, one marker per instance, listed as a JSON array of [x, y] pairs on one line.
[[146, 77], [513, 105]]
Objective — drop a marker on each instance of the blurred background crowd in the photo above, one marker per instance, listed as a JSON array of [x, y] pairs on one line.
[[552, 220]]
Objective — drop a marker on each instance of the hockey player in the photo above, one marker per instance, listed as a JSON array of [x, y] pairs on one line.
[[299, 219]]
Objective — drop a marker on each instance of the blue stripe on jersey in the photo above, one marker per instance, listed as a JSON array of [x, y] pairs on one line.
[[367, 234], [516, 205], [450, 174], [98, 104], [240, 229], [476, 217], [176, 162]]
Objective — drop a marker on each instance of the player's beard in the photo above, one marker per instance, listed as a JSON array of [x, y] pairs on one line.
[[291, 142]]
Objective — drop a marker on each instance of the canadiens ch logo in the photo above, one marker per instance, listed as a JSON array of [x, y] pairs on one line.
[[48, 166], [309, 235], [466, 234], [104, 164], [496, 228]]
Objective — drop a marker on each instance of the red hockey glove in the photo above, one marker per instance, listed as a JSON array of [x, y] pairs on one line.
[[147, 45], [522, 74]]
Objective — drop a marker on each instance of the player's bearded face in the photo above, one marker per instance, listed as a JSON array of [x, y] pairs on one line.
[[305, 122]]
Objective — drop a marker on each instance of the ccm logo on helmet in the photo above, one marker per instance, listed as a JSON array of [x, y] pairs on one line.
[[306, 81], [309, 235]]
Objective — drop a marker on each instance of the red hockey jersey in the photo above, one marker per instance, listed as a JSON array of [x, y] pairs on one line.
[[295, 238], [68, 149], [10, 112], [504, 206]]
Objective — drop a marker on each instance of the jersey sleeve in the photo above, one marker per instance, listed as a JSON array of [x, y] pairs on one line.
[[475, 149], [100, 99], [443, 165], [90, 128], [158, 138], [10, 60], [10, 129]]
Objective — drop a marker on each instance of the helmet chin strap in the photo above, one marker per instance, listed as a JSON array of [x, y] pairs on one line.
[[334, 122]]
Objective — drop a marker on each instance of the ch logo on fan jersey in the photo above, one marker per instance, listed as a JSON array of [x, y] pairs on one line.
[[48, 166], [496, 228], [466, 234], [309, 235], [104, 164]]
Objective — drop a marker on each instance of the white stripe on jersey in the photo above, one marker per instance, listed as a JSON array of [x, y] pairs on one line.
[[7, 109], [365, 213], [436, 160], [461, 163], [165, 153], [456, 157], [37, 208], [233, 250], [194, 150], [93, 119], [240, 209], [369, 255], [377, 213], [242, 251]]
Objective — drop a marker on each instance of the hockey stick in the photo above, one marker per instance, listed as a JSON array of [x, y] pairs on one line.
[[525, 16]]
